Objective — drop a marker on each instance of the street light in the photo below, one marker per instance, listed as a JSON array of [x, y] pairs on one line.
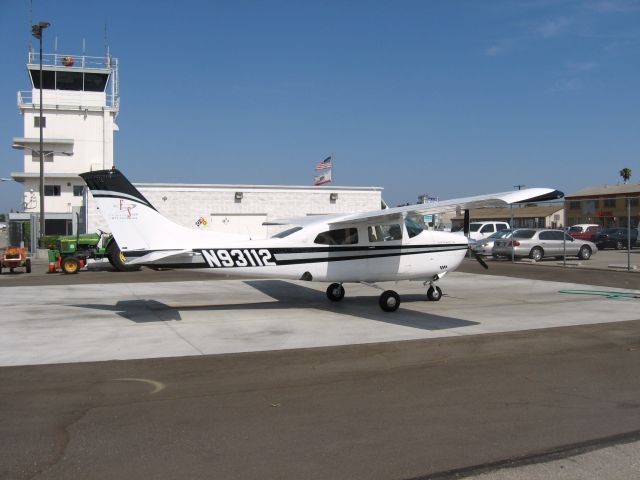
[[36, 31]]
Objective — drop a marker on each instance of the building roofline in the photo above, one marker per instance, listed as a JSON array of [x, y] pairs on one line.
[[202, 186]]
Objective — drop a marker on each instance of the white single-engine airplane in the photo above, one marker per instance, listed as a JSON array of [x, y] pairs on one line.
[[365, 247]]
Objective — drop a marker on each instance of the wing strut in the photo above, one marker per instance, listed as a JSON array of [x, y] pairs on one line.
[[477, 256]]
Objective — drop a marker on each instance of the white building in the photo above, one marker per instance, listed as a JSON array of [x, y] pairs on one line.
[[80, 106], [80, 102], [244, 208]]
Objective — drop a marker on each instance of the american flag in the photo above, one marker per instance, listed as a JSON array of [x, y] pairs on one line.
[[326, 163]]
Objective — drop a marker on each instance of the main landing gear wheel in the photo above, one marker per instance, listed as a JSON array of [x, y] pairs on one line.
[[335, 292], [389, 301], [434, 293], [118, 260]]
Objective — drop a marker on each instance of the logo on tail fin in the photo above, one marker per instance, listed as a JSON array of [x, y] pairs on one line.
[[124, 210]]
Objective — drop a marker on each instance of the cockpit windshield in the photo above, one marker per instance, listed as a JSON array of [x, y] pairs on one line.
[[413, 227]]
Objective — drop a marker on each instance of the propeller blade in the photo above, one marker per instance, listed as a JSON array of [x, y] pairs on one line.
[[480, 260]]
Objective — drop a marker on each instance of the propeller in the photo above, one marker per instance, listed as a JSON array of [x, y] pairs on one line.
[[466, 234]]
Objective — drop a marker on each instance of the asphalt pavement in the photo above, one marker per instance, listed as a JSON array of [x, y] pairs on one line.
[[524, 395]]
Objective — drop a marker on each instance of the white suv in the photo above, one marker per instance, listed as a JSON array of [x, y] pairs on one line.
[[480, 230]]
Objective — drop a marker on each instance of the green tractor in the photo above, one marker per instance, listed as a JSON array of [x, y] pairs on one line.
[[71, 252]]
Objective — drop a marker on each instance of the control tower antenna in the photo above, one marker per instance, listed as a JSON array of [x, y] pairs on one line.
[[30, 23], [106, 43]]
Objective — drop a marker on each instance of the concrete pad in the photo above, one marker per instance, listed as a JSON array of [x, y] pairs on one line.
[[56, 324]]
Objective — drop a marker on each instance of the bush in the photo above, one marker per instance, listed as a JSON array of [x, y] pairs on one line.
[[48, 241]]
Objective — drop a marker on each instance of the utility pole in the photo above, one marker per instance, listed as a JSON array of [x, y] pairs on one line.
[[36, 31]]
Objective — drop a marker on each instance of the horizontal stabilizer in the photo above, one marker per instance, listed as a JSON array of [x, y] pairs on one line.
[[152, 257]]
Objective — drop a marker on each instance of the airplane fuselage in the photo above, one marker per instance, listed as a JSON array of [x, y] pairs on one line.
[[299, 257]]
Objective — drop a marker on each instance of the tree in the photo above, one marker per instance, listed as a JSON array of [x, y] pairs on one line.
[[625, 173]]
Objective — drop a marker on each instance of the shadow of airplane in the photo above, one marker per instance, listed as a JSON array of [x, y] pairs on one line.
[[287, 296]]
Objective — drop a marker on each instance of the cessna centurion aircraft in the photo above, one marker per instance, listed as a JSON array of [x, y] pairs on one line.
[[365, 247]]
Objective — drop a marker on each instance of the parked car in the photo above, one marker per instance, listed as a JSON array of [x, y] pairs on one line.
[[485, 246], [584, 231], [542, 242], [616, 238]]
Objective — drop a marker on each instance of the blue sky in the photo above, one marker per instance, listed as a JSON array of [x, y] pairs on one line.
[[450, 98]]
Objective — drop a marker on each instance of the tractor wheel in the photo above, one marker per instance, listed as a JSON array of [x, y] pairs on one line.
[[70, 265], [118, 260], [27, 265]]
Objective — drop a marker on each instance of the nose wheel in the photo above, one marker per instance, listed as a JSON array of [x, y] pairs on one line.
[[434, 293]]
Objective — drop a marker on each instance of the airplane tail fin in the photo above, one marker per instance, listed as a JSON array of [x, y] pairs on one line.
[[135, 223]]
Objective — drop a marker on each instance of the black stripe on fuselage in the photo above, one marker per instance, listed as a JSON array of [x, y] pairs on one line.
[[365, 256]]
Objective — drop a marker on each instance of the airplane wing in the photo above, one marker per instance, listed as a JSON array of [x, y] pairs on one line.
[[527, 195]]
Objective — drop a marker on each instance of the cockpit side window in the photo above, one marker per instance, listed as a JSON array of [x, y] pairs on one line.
[[342, 236], [385, 233], [413, 227]]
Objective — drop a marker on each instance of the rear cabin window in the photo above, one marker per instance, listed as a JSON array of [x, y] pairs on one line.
[[487, 229], [501, 226], [551, 235], [524, 233], [385, 233], [342, 236]]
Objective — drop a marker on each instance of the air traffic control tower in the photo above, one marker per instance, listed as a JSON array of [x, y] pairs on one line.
[[80, 104]]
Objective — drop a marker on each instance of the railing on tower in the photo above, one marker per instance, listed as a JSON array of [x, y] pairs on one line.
[[77, 61]]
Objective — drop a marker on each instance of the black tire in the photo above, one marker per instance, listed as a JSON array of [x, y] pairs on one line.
[[70, 265], [584, 253], [389, 301], [335, 292], [619, 245], [434, 294], [118, 260], [27, 265], [536, 254]]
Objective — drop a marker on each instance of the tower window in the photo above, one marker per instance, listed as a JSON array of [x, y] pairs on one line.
[[37, 120], [78, 190], [48, 79], [95, 82], [69, 81], [52, 190]]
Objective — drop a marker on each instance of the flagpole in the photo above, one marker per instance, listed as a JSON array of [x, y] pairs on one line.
[[333, 158]]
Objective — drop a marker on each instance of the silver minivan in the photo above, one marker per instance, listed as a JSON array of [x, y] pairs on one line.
[[540, 243]]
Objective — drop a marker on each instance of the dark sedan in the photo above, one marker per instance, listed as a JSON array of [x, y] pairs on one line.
[[617, 238]]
